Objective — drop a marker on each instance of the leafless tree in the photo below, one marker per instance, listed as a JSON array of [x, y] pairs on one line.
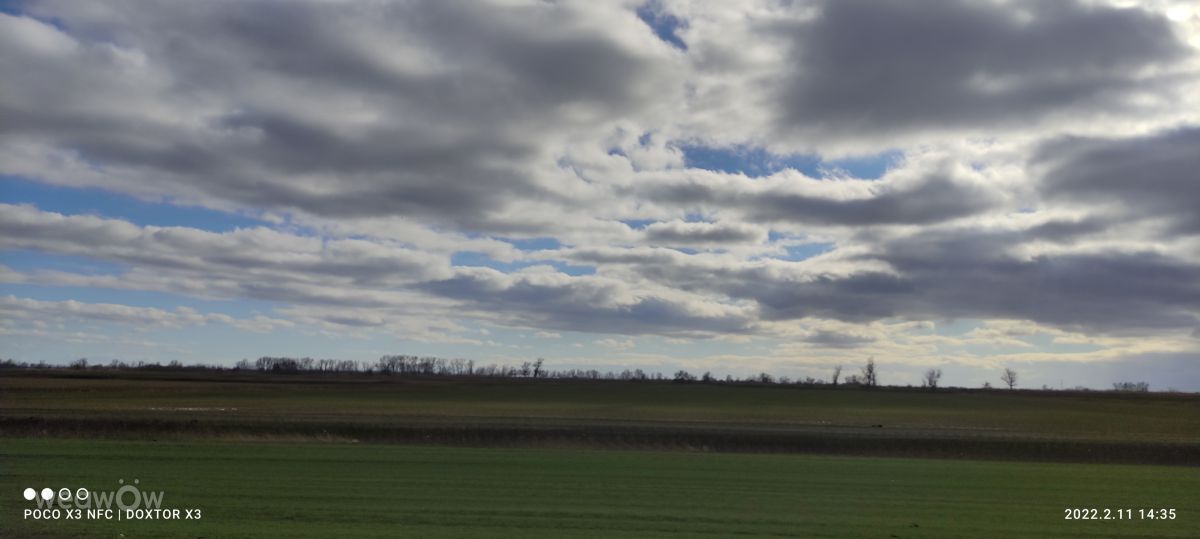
[[684, 376], [932, 376], [837, 373], [1009, 378], [1131, 386], [869, 374]]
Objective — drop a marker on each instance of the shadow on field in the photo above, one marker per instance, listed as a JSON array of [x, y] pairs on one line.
[[861, 441]]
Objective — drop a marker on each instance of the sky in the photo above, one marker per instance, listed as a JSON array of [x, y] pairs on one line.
[[735, 187]]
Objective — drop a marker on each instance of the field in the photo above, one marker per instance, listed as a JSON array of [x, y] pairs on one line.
[[314, 456], [337, 490]]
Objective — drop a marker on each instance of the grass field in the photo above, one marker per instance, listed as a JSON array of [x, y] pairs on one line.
[[1091, 427], [1092, 415], [333, 490], [355, 456]]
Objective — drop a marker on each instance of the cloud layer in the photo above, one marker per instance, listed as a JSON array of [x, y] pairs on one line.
[[425, 168]]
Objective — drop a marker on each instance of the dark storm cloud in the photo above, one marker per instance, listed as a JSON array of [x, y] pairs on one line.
[[871, 69], [1155, 176]]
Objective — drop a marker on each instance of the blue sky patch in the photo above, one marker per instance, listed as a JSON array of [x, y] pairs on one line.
[[99, 202], [638, 224], [664, 24], [26, 261], [806, 251], [757, 162]]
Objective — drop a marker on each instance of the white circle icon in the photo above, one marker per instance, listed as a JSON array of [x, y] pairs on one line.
[[82, 494], [47, 494], [30, 494], [64, 493]]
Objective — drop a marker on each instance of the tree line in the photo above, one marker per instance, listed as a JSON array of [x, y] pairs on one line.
[[431, 366]]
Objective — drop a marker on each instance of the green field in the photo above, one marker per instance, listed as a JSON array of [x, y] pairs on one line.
[[999, 424], [324, 456], [336, 490]]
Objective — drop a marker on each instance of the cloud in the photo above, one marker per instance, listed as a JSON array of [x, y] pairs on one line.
[[540, 297], [870, 70], [833, 339], [1040, 171], [425, 109], [58, 311], [1136, 178], [703, 234], [243, 255], [974, 274], [924, 190]]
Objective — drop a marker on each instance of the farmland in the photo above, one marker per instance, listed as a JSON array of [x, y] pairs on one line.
[[317, 456], [1094, 426], [327, 490]]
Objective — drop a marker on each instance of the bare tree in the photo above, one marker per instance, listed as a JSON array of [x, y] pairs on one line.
[[1009, 378], [869, 374], [932, 376], [837, 373], [1131, 386], [684, 376]]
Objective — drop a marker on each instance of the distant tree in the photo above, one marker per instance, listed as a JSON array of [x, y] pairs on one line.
[[1009, 378], [708, 377], [837, 373], [853, 380], [684, 376], [987, 385], [538, 371], [1131, 386], [81, 363], [931, 378], [870, 374]]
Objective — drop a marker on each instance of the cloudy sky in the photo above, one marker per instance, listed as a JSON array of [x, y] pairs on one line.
[[710, 185]]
